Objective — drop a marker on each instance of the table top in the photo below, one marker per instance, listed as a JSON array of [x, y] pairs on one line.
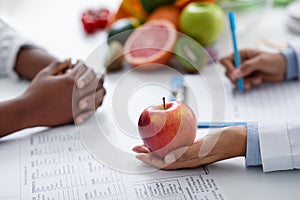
[[56, 25]]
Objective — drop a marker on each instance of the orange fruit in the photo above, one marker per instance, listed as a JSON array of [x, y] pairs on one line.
[[167, 12], [131, 8], [151, 45]]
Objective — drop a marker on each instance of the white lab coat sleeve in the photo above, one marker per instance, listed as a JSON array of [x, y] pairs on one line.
[[296, 47], [280, 145], [10, 44]]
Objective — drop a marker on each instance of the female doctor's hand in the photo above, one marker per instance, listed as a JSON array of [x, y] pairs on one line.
[[256, 67], [60, 94], [219, 145]]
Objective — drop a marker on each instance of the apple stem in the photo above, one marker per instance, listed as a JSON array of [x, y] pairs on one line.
[[164, 102]]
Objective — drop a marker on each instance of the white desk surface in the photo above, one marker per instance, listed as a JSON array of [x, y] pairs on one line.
[[55, 24]]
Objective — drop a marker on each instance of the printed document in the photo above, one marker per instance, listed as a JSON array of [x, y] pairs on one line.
[[54, 165]]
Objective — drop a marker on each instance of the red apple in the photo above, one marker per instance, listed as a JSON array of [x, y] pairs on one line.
[[166, 127]]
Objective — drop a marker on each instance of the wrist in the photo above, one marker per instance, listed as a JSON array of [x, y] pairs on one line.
[[237, 137], [16, 116], [24, 111], [242, 135], [31, 60], [27, 106]]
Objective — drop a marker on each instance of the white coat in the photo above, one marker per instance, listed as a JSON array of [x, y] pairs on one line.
[[10, 44], [280, 140]]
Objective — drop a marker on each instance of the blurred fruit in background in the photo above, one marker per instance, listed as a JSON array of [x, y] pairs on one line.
[[121, 29], [93, 20], [151, 44], [114, 57], [182, 3], [167, 12], [202, 21], [150, 5], [189, 54], [131, 8]]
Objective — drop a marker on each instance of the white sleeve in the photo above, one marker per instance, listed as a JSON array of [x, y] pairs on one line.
[[296, 46], [10, 44], [280, 145]]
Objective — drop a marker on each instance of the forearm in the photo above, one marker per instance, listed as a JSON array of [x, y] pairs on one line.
[[31, 60], [14, 116]]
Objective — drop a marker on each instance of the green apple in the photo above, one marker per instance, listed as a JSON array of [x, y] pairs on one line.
[[202, 21]]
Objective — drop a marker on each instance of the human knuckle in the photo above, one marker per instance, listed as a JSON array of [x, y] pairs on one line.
[[262, 57]]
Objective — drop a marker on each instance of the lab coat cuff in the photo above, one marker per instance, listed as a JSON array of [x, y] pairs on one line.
[[294, 139], [292, 70], [275, 146], [253, 157], [295, 45]]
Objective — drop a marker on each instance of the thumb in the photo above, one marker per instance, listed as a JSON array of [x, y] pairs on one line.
[[57, 67]]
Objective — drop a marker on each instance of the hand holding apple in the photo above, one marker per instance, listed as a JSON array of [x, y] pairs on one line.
[[218, 145], [166, 127]]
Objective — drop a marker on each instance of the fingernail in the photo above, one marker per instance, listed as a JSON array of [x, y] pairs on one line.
[[238, 73], [134, 150], [79, 120], [80, 84], [83, 104], [257, 81], [247, 87], [68, 71], [170, 158], [143, 156]]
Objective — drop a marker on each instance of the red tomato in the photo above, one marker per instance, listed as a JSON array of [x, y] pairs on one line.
[[95, 19]]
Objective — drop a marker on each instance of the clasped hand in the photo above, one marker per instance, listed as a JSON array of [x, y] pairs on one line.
[[63, 93]]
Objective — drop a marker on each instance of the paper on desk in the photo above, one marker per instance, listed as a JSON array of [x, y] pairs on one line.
[[265, 102], [54, 165]]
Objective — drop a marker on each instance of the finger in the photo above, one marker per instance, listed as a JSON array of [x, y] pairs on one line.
[[86, 78], [184, 164], [89, 102], [141, 149], [78, 70], [68, 71], [152, 160], [90, 89], [247, 54], [84, 99], [100, 97], [100, 78], [254, 80], [83, 117], [57, 67], [247, 86], [228, 63], [247, 68]]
